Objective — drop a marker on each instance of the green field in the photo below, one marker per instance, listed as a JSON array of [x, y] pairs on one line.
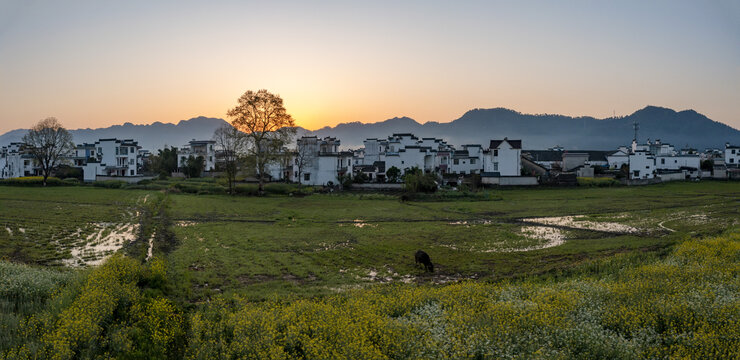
[[267, 258], [318, 244]]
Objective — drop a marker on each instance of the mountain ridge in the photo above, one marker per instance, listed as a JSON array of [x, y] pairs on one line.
[[479, 125]]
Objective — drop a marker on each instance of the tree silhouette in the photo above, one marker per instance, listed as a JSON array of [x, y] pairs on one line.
[[49, 143], [267, 126], [232, 144]]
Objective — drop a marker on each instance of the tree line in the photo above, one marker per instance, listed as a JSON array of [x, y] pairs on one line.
[[260, 130]]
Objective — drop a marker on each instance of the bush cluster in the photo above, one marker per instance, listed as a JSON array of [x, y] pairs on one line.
[[110, 184], [597, 182], [107, 313], [32, 181]]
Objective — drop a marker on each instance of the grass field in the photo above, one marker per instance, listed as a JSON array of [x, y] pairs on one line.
[[574, 272], [297, 247]]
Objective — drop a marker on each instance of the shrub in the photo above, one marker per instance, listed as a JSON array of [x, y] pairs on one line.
[[279, 188], [110, 184], [346, 181], [416, 182], [31, 181], [204, 180], [360, 178], [71, 181], [597, 182], [66, 171], [247, 189]]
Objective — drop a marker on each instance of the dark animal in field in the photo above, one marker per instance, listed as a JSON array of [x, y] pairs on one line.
[[423, 259]]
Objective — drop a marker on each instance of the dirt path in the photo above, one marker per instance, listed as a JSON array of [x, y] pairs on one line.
[[660, 224]]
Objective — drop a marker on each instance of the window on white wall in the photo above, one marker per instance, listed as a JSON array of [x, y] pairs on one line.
[[495, 166]]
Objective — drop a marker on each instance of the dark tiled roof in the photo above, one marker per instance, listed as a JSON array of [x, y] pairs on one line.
[[516, 144], [380, 165], [460, 153], [543, 155], [596, 155], [365, 167]]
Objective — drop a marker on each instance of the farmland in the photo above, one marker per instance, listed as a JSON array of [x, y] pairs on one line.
[[255, 276]]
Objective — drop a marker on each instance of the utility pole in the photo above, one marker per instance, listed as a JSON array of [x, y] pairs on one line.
[[635, 126]]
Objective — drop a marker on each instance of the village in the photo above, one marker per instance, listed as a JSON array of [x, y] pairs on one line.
[[382, 162]]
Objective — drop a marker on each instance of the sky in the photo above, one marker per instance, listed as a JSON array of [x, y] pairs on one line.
[[98, 63]]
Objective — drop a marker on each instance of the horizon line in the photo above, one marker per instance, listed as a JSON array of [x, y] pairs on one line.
[[402, 117]]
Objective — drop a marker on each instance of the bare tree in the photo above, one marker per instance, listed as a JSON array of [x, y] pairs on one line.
[[232, 143], [303, 158], [267, 127], [49, 142]]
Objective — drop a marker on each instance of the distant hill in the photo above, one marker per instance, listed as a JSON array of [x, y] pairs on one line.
[[151, 137], [476, 126]]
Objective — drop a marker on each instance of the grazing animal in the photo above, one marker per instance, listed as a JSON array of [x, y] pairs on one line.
[[423, 259]]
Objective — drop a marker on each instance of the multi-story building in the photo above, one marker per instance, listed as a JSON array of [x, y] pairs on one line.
[[16, 161], [320, 162], [732, 155], [503, 158], [108, 157], [642, 165], [195, 148]]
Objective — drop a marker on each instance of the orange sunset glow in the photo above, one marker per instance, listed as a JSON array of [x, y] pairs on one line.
[[95, 64]]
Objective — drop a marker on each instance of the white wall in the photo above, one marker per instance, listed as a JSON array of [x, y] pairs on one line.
[[732, 156], [510, 180], [373, 149], [617, 159], [204, 148], [642, 165], [465, 165], [676, 162], [90, 171], [506, 161], [323, 169], [15, 163], [114, 153]]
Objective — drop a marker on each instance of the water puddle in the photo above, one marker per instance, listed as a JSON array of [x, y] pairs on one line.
[[580, 222], [106, 239]]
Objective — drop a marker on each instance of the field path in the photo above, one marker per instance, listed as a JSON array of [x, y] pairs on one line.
[[664, 227]]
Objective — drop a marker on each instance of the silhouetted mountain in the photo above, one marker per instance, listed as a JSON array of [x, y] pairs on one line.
[[151, 137], [476, 126]]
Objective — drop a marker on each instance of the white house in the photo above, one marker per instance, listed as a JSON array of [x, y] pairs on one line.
[[410, 157], [677, 162], [618, 158], [503, 158], [322, 162], [108, 157], [732, 155], [642, 165], [195, 148], [374, 149], [469, 160], [403, 151], [16, 161]]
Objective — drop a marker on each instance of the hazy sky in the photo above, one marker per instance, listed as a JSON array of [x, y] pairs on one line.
[[97, 63]]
